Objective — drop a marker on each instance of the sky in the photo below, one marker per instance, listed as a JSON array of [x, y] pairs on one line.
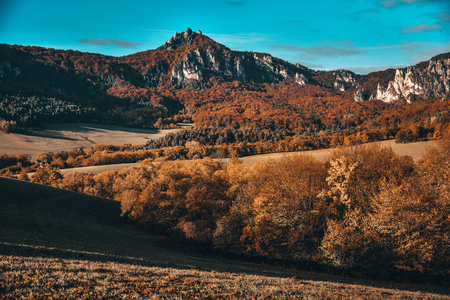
[[359, 35]]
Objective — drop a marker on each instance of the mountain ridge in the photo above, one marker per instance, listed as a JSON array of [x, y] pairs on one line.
[[189, 59], [136, 89]]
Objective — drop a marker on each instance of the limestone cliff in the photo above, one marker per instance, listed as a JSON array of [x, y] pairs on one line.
[[430, 79]]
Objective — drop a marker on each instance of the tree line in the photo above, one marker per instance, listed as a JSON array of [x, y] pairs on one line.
[[222, 142], [26, 111]]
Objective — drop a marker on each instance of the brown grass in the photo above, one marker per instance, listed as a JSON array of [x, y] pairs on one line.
[[45, 278], [69, 136], [415, 150]]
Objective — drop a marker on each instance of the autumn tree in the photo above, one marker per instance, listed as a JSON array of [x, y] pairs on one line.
[[230, 226], [412, 227], [47, 176], [279, 200], [129, 183], [78, 182], [356, 175], [183, 198], [104, 184]]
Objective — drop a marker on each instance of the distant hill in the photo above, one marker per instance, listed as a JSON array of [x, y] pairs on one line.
[[136, 90]]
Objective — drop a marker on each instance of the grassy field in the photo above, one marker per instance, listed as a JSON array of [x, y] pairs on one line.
[[59, 244], [70, 278], [415, 150], [69, 136]]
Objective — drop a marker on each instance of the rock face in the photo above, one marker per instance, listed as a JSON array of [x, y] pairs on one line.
[[425, 80], [190, 68], [208, 59], [338, 80], [180, 39], [343, 80], [361, 95]]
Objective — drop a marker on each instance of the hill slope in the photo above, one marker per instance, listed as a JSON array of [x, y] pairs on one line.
[[51, 242], [36, 215]]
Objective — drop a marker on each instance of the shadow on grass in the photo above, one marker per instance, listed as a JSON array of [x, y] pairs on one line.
[[231, 267], [94, 127], [49, 135], [54, 130]]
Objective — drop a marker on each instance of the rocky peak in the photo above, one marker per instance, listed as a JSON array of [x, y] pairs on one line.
[[428, 79], [180, 38], [343, 80]]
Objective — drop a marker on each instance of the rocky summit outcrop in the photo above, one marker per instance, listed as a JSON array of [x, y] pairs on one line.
[[180, 39], [343, 80], [205, 59], [430, 79]]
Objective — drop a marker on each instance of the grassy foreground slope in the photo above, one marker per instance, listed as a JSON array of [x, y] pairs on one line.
[[58, 244], [58, 220]]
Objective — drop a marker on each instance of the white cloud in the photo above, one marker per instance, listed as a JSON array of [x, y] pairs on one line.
[[392, 3], [345, 48], [104, 42], [444, 16], [421, 28]]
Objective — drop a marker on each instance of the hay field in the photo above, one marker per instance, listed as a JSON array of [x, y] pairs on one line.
[[69, 136]]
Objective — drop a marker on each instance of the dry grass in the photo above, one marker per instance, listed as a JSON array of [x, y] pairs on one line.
[[69, 136], [45, 278], [415, 150]]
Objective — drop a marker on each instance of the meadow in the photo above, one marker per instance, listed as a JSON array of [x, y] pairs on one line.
[[53, 278], [68, 136]]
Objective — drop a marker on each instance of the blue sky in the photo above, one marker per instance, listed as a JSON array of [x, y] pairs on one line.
[[360, 35]]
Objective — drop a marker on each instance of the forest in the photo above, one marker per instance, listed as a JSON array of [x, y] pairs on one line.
[[365, 212]]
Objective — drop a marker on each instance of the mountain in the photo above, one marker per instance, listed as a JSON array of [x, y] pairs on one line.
[[136, 90], [190, 60]]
